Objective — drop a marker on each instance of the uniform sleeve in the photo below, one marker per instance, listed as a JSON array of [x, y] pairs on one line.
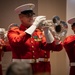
[[57, 47], [17, 37], [51, 46], [69, 43]]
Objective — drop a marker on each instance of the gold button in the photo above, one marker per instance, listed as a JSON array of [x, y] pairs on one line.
[[0, 47], [33, 51], [45, 51], [45, 59], [45, 55], [34, 60], [32, 46], [33, 56], [31, 41]]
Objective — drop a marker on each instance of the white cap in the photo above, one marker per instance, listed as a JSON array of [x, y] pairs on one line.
[[12, 25], [71, 21], [24, 7], [2, 30]]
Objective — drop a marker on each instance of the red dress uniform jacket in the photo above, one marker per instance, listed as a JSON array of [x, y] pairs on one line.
[[25, 46], [44, 58], [69, 45]]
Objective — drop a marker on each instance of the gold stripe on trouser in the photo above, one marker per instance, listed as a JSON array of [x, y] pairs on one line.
[[44, 73]]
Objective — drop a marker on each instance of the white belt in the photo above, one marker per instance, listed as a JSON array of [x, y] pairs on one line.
[[44, 59], [26, 60], [72, 64]]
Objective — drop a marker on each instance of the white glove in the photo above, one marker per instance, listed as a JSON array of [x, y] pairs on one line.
[[38, 20], [48, 35], [57, 40], [36, 23]]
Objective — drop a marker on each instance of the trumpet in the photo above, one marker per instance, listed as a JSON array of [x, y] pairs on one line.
[[2, 32], [57, 27]]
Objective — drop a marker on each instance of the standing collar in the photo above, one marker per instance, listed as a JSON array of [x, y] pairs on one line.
[[22, 27]]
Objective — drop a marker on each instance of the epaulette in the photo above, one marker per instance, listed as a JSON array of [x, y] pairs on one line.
[[12, 25]]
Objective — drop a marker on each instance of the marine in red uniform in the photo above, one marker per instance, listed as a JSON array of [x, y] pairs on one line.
[[1, 52], [2, 43], [44, 60], [69, 45], [27, 41]]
